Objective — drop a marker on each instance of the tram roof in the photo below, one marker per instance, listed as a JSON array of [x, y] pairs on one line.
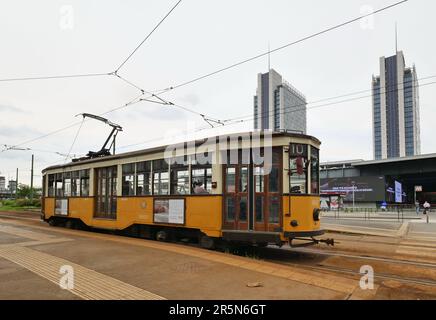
[[163, 147]]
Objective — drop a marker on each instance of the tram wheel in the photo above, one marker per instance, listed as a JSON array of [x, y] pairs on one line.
[[207, 242], [162, 235], [52, 223], [69, 224]]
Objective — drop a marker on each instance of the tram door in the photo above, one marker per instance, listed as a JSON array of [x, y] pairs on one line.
[[106, 191], [236, 197], [267, 191], [252, 195]]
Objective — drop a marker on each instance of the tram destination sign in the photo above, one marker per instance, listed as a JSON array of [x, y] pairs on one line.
[[298, 150]]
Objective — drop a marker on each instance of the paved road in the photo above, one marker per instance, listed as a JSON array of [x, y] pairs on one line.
[[114, 267], [376, 224], [418, 228]]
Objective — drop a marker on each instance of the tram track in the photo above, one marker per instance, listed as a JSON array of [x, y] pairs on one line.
[[13, 215], [360, 257], [265, 254], [320, 266], [292, 250], [378, 275]]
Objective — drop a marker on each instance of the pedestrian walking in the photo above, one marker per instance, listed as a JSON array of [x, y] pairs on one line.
[[417, 206], [427, 207]]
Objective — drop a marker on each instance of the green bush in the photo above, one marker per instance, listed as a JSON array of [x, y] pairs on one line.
[[28, 203], [8, 203]]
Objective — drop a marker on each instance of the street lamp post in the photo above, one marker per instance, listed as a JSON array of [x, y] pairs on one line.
[[353, 194]]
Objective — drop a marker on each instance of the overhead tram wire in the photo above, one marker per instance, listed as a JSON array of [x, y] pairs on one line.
[[74, 140], [161, 91], [135, 100], [65, 128], [56, 77], [207, 119], [230, 121], [233, 65], [148, 36], [281, 113], [303, 105], [12, 148], [240, 119], [94, 74], [343, 96], [114, 73]]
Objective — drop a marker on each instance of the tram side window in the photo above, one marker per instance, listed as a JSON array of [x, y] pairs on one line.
[[75, 184], [128, 179], [58, 185], [143, 178], [259, 179], [314, 170], [272, 168], [84, 183], [274, 209], [230, 208], [201, 173], [298, 168], [179, 176], [201, 180], [160, 177], [51, 185], [230, 179], [274, 179], [67, 184]]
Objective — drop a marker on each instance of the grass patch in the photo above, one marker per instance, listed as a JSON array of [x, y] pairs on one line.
[[20, 205]]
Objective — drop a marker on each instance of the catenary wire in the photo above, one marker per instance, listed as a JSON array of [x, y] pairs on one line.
[[148, 36], [222, 69], [281, 47]]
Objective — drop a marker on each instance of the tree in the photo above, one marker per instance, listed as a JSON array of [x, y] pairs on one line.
[[24, 191]]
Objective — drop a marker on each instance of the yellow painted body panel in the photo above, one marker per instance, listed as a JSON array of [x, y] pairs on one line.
[[202, 213], [205, 213], [134, 210], [81, 208], [49, 207], [301, 209]]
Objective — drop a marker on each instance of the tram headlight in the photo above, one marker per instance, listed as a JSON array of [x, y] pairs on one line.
[[294, 223], [316, 213]]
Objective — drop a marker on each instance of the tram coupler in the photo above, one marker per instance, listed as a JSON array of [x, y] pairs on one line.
[[328, 241]]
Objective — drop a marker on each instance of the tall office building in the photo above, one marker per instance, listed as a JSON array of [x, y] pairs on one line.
[[278, 106], [12, 186], [395, 107], [2, 184]]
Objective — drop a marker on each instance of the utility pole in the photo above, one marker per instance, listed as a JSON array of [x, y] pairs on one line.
[[16, 185], [31, 179]]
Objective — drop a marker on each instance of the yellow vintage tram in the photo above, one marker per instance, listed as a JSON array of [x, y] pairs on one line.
[[253, 188]]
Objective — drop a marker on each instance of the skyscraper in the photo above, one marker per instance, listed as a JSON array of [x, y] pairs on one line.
[[278, 106], [395, 106], [2, 183]]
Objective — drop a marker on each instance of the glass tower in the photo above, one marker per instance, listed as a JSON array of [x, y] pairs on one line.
[[395, 109], [278, 106]]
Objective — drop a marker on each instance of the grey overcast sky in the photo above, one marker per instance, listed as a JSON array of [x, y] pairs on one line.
[[200, 36]]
